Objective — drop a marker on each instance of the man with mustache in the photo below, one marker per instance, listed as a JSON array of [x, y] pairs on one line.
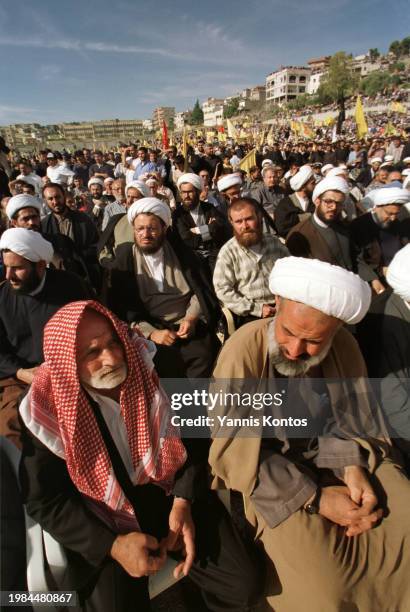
[[30, 295], [105, 472], [328, 501], [244, 263]]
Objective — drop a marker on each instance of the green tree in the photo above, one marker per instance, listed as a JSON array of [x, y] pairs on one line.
[[340, 80], [395, 48], [197, 116], [231, 109], [405, 45], [376, 82], [374, 54]]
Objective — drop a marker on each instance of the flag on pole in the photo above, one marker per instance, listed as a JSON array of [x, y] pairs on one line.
[[185, 148], [165, 140], [361, 124], [398, 107], [232, 133], [390, 130], [248, 161]]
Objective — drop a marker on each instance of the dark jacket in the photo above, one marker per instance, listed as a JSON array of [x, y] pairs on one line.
[[288, 214], [123, 297], [220, 229]]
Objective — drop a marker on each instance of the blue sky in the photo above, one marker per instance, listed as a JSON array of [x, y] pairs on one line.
[[72, 60]]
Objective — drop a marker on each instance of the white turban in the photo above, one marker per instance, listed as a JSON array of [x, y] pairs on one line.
[[339, 171], [388, 158], [386, 164], [376, 160], [406, 160], [27, 243], [109, 179], [267, 162], [398, 273], [23, 200], [390, 195], [327, 167], [334, 183], [330, 289], [192, 179], [95, 181], [405, 172], [301, 177], [150, 205], [140, 186], [229, 180]]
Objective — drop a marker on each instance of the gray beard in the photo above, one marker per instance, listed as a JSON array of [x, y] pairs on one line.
[[287, 367]]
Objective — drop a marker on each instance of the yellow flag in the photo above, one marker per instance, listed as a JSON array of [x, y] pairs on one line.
[[269, 137], [248, 161], [232, 133], [185, 148], [398, 107], [390, 130], [361, 124], [222, 137]]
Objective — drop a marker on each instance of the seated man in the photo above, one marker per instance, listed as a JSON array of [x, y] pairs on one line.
[[241, 276], [117, 206], [118, 230], [97, 202], [199, 224], [330, 508], [75, 225], [161, 285], [298, 206], [106, 474], [325, 235], [379, 234], [269, 193], [24, 211], [29, 296], [384, 337]]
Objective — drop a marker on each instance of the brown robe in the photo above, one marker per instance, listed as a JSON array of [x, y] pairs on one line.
[[316, 566]]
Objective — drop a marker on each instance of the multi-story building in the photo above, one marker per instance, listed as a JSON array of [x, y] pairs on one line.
[[363, 65], [318, 66], [105, 130], [213, 109], [182, 118], [161, 114], [287, 83]]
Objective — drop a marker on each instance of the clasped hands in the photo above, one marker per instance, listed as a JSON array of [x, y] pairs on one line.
[[354, 505], [142, 555]]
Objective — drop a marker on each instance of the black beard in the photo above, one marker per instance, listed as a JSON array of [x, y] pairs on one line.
[[29, 285], [151, 249]]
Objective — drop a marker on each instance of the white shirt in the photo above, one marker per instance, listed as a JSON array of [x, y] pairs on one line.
[[155, 263], [304, 202], [59, 174], [111, 411]]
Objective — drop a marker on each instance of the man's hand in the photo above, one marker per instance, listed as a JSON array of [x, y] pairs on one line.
[[337, 506], [268, 311], [132, 552], [377, 286], [195, 230], [163, 336], [186, 328], [181, 535], [360, 489], [26, 375]]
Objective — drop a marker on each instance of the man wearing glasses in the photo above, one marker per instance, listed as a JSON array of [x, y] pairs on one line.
[[325, 235]]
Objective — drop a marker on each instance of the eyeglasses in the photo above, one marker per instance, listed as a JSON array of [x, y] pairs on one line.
[[330, 201]]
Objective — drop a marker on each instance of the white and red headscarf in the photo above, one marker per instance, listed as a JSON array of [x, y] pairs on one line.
[[57, 412]]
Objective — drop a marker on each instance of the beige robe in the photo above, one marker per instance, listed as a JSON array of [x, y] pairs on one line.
[[313, 566]]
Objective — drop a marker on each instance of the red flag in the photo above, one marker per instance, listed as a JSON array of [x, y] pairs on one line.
[[165, 140]]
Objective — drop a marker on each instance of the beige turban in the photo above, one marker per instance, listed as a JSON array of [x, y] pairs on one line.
[[27, 243], [339, 171], [150, 205], [140, 186], [330, 289], [192, 179], [229, 180], [23, 200], [390, 195], [301, 177], [95, 181], [334, 183], [326, 168], [376, 160]]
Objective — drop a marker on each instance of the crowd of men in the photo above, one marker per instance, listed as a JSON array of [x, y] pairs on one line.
[[123, 268]]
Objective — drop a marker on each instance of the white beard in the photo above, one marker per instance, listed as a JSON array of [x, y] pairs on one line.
[[288, 367], [107, 378]]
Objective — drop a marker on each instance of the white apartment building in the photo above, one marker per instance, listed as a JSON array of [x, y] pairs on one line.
[[213, 109], [287, 83]]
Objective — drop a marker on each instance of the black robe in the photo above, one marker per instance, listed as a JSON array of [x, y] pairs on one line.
[[23, 318], [287, 215]]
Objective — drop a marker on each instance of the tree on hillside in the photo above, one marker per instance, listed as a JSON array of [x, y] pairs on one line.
[[405, 46], [340, 80], [376, 82], [231, 108], [197, 116], [374, 54], [395, 48]]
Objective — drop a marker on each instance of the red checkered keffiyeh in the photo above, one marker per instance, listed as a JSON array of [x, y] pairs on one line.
[[61, 417]]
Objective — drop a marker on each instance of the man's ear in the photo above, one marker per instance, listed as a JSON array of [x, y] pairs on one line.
[[41, 266]]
